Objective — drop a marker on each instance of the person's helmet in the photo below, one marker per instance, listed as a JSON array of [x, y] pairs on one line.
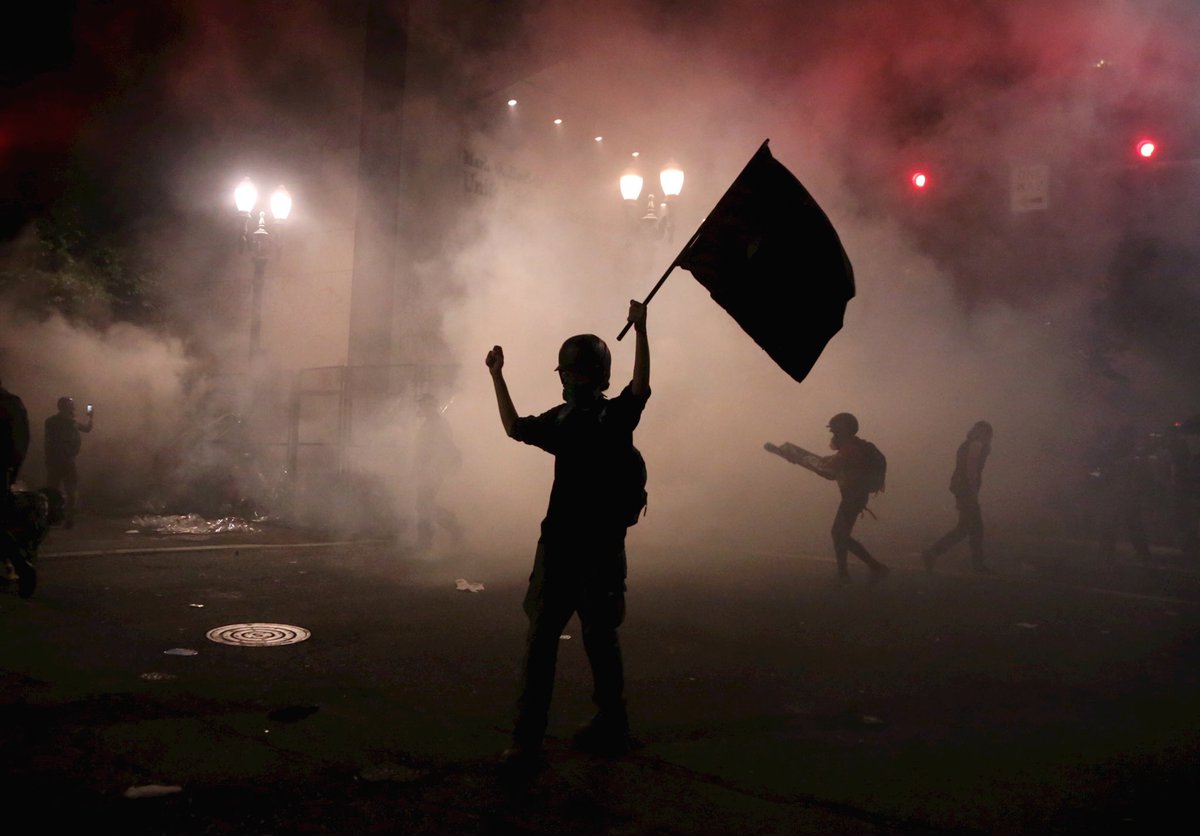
[[982, 431], [65, 403], [586, 354], [843, 424]]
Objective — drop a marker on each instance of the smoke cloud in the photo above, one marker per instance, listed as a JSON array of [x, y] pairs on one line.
[[513, 233]]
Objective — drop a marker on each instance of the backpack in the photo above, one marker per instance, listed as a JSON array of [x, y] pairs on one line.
[[634, 499], [876, 470]]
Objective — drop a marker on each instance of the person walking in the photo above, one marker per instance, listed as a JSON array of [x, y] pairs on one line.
[[965, 483], [62, 444], [580, 563], [857, 469], [860, 470]]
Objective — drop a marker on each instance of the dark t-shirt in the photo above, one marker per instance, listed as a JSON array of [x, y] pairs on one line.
[[62, 440], [850, 466], [589, 444]]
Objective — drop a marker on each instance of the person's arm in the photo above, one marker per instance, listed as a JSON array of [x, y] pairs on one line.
[[640, 385], [508, 412]]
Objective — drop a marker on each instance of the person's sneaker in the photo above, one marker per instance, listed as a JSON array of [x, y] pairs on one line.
[[610, 739], [522, 758]]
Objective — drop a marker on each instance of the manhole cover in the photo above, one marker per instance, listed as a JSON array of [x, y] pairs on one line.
[[258, 634]]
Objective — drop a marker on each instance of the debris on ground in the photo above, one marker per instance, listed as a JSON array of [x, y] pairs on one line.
[[152, 790], [465, 585], [191, 524]]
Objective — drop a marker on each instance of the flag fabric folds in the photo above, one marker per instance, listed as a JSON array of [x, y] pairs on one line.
[[769, 256]]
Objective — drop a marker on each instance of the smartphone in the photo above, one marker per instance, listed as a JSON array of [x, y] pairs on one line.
[[89, 409]]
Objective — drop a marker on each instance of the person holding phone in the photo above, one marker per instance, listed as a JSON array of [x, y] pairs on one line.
[[62, 444]]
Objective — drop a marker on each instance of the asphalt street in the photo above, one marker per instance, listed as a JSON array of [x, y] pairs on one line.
[[1056, 696]]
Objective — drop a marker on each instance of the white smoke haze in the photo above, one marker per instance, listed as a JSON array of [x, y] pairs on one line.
[[914, 366], [136, 378], [949, 326]]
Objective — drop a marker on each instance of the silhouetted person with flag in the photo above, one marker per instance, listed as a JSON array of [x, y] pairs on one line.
[[964, 484], [580, 563], [62, 444]]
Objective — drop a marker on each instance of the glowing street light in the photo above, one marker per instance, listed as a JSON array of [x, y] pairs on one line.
[[631, 185], [657, 220], [260, 242]]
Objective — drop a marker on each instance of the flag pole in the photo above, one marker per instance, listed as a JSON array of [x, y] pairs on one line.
[[674, 264], [686, 247]]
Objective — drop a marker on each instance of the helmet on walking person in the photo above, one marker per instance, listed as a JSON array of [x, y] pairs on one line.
[[843, 424]]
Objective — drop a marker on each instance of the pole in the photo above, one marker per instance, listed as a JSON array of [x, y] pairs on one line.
[[674, 264], [695, 235], [260, 268]]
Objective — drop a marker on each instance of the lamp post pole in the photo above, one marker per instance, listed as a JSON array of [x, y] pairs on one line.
[[260, 243]]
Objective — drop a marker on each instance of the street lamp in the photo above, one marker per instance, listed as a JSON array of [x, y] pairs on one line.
[[259, 243], [657, 221]]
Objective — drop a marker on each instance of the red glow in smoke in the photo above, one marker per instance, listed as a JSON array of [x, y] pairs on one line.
[[1146, 148]]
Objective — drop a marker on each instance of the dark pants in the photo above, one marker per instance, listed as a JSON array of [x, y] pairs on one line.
[[550, 602], [970, 528], [62, 476], [847, 515]]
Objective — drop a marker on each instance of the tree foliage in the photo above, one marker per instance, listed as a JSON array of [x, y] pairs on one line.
[[63, 264]]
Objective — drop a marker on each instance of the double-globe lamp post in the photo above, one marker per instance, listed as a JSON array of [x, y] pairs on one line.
[[658, 220], [259, 242]]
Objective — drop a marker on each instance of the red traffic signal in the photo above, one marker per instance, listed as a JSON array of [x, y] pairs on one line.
[[1146, 148], [919, 180]]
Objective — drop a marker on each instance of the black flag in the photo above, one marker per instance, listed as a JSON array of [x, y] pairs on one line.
[[771, 258]]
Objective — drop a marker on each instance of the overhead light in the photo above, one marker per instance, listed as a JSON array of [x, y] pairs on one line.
[[512, 102]]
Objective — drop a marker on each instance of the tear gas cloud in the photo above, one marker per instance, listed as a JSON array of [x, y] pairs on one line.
[[839, 91], [949, 324]]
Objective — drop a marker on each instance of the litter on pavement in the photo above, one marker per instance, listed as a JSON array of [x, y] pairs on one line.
[[180, 651], [465, 585], [152, 790]]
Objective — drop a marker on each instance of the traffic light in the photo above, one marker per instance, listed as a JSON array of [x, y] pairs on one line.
[[919, 180], [1146, 148]]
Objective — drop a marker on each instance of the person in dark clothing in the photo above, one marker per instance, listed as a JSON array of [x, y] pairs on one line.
[[850, 466], [435, 457], [62, 443], [964, 484], [1124, 484], [580, 564], [14, 445]]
